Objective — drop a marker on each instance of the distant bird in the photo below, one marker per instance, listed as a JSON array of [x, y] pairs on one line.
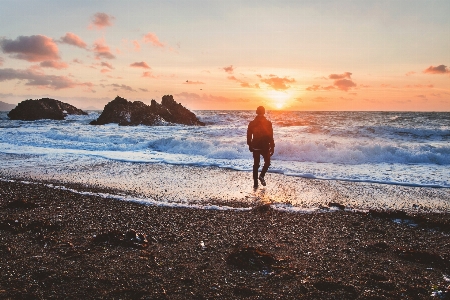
[[187, 80]]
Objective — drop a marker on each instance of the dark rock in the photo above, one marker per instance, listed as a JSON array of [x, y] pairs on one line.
[[130, 113], [45, 108], [115, 238], [250, 258], [126, 112]]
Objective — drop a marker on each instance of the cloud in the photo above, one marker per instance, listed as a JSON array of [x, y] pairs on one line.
[[313, 88], [144, 90], [229, 69], [441, 69], [344, 84], [341, 82], [153, 39], [34, 78], [149, 75], [107, 65], [122, 87], [100, 21], [320, 99], [410, 73], [137, 46], [277, 83], [103, 71], [340, 76], [77, 61], [53, 64], [141, 64], [243, 83], [193, 82], [31, 48], [420, 86], [1, 61], [102, 50], [74, 40], [184, 96]]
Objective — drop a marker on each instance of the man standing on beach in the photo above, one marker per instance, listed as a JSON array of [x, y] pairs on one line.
[[260, 142]]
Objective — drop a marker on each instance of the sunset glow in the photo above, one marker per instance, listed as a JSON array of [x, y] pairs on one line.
[[290, 55]]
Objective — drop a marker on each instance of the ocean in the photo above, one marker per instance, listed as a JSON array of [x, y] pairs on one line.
[[410, 149]]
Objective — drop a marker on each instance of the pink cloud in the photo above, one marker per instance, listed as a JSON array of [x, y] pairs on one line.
[[441, 69], [277, 83], [340, 76], [31, 48], [141, 64], [100, 21], [229, 69], [102, 50], [105, 71], [148, 75], [343, 81], [122, 87], [53, 64], [184, 96], [74, 40], [137, 46], [344, 84], [41, 80], [314, 88], [107, 65], [153, 39], [243, 83]]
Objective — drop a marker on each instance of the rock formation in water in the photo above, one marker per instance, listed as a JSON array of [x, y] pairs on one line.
[[45, 108], [129, 113]]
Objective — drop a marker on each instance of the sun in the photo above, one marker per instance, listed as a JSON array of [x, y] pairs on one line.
[[279, 98]]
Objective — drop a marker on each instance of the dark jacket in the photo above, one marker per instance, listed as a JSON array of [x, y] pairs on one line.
[[260, 134]]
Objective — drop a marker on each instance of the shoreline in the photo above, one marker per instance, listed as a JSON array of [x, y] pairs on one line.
[[59, 244], [215, 186]]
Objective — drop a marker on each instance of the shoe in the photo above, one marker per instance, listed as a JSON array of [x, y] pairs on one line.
[[261, 179]]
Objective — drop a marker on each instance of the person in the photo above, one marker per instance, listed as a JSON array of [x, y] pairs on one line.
[[260, 142]]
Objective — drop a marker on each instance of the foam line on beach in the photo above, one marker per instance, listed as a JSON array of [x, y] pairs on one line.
[[144, 201]]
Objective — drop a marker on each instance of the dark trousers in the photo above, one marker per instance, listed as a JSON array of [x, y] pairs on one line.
[[256, 160]]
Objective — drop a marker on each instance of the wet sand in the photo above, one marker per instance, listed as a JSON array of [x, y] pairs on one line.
[[57, 244], [192, 186]]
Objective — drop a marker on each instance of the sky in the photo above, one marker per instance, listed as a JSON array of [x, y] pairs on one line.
[[352, 55]]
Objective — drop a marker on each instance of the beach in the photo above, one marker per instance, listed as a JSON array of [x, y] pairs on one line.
[[356, 207], [61, 243]]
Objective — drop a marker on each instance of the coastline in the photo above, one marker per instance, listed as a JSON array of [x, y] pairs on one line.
[[65, 245]]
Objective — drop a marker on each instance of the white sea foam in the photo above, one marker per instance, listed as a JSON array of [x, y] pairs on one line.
[[394, 148]]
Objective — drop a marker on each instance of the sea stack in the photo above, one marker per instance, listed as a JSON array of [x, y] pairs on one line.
[[45, 108], [127, 113]]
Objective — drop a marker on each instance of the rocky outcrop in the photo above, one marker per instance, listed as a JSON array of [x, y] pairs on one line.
[[129, 113], [45, 108]]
